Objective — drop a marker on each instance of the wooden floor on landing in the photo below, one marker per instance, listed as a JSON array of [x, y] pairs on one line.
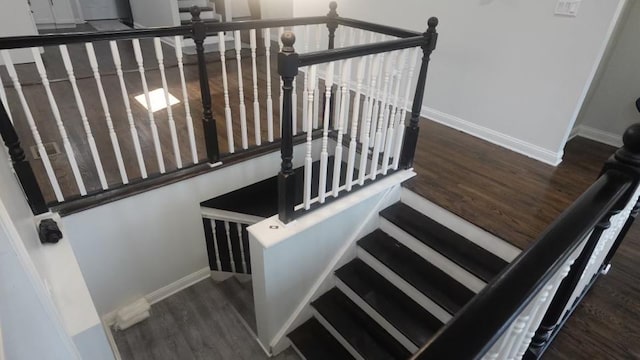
[[515, 198]]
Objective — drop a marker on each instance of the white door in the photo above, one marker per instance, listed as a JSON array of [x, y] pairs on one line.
[[104, 9], [42, 11]]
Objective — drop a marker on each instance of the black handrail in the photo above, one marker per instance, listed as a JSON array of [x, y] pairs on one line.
[[485, 319], [381, 29], [324, 56], [16, 42]]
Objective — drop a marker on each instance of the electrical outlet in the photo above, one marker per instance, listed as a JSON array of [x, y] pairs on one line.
[[567, 7]]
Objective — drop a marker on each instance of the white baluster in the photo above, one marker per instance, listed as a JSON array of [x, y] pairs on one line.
[[215, 245], [377, 104], [172, 124], [351, 160], [370, 88], [8, 63], [58, 118], [115, 53], [403, 111], [316, 90], [344, 113], [384, 97], [233, 263], [152, 122], [308, 175], [93, 62], [185, 99], [243, 108], [244, 262], [256, 103], [338, 100], [267, 51], [305, 88], [373, 74], [324, 154], [225, 86], [280, 32], [5, 102], [391, 130]]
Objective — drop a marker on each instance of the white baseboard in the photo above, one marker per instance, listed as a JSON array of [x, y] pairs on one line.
[[598, 135], [166, 291], [522, 147]]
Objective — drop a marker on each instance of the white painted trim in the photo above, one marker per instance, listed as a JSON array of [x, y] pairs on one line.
[[440, 261], [112, 341], [604, 137], [424, 301], [2, 357], [506, 141], [594, 70], [337, 336], [473, 233], [327, 273], [230, 216], [220, 276], [44, 296], [395, 333], [293, 346], [574, 132], [166, 291]]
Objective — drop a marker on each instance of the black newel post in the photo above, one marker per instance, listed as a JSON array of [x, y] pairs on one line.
[[411, 134], [288, 69], [210, 132], [627, 161], [21, 166], [332, 23]]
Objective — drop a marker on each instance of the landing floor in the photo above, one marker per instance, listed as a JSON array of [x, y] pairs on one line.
[[515, 198], [208, 320]]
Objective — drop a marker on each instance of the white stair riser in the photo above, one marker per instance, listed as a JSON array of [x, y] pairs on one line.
[[480, 237], [199, 3], [408, 344], [337, 335], [428, 304], [442, 262]]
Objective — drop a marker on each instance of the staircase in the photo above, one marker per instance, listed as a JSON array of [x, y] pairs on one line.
[[410, 276], [207, 8]]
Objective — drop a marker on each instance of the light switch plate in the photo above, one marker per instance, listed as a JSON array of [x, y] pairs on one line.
[[567, 7]]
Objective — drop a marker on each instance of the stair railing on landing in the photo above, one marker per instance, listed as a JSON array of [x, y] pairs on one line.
[[371, 123], [91, 79], [520, 312], [227, 239]]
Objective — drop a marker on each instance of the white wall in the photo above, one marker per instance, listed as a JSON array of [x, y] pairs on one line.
[[276, 9], [287, 261], [16, 19], [154, 13], [132, 247], [509, 71], [55, 266], [30, 328], [611, 107]]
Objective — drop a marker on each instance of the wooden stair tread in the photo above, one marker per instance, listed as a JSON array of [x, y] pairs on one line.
[[316, 343], [422, 275], [368, 338], [407, 316], [261, 198], [450, 244]]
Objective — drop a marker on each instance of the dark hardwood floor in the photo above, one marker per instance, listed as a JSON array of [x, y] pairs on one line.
[[515, 198]]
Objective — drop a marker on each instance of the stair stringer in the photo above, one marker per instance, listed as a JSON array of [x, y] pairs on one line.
[[387, 191]]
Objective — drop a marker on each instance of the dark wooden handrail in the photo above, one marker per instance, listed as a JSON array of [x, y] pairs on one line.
[[381, 29], [481, 322], [324, 56]]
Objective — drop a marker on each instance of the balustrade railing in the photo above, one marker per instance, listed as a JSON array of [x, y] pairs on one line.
[[518, 314], [110, 100], [359, 92]]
